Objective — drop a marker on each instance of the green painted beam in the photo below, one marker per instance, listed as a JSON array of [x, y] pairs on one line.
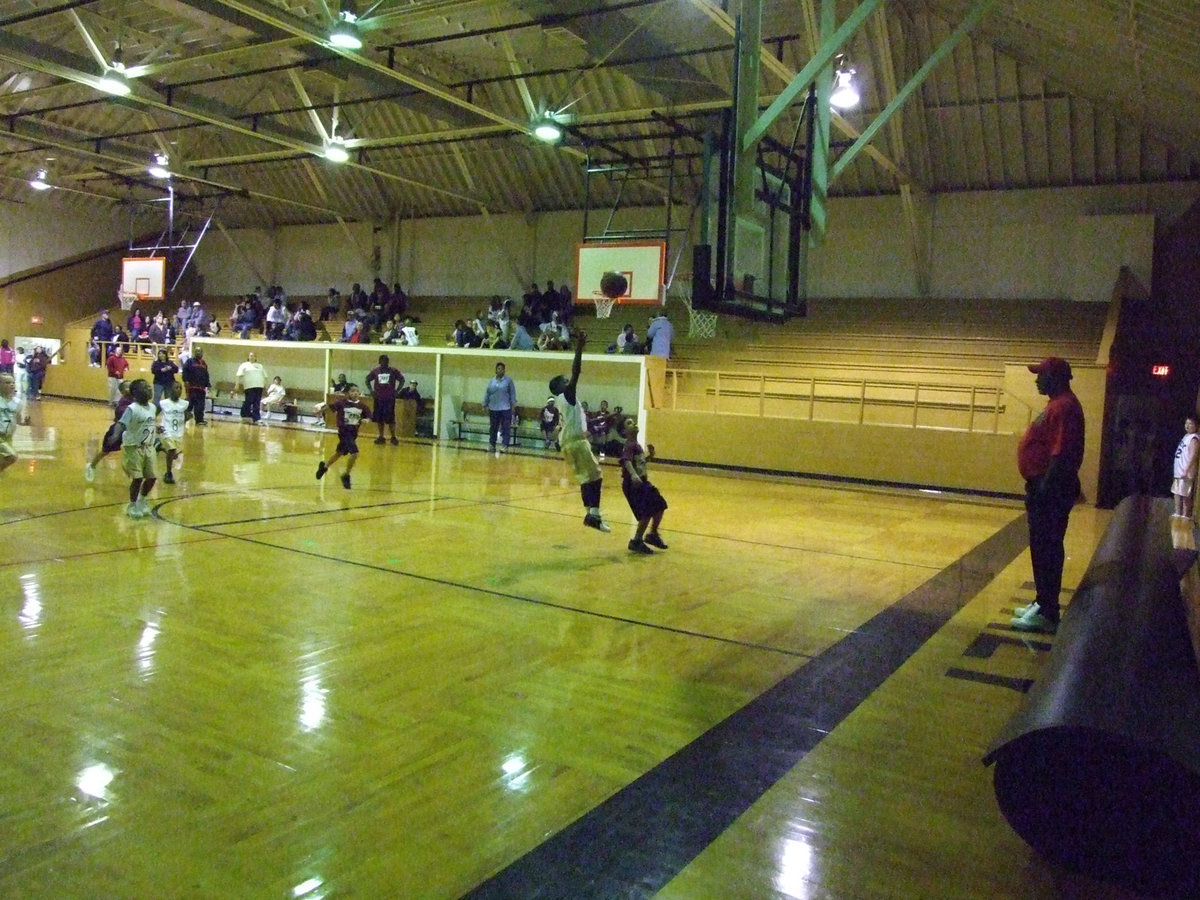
[[825, 54], [976, 13]]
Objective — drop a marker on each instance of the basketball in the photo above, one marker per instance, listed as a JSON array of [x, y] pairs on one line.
[[613, 285]]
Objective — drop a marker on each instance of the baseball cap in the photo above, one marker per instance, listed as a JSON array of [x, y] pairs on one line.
[[1054, 366], [196, 303], [549, 399]]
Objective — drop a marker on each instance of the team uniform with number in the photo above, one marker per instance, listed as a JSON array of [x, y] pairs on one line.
[[350, 414], [384, 382], [174, 413], [137, 442]]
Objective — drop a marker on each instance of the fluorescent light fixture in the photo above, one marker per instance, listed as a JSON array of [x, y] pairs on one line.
[[547, 129], [159, 169], [39, 182], [345, 32], [845, 94], [335, 150]]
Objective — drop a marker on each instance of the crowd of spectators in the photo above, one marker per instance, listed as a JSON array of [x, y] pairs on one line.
[[542, 323], [27, 369]]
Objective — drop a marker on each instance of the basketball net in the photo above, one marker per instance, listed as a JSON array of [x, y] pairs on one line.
[[604, 305], [701, 324], [128, 298]]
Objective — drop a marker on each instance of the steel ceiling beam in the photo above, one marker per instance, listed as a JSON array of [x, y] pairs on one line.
[[53, 61]]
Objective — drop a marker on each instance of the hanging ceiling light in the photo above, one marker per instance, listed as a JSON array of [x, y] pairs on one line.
[[39, 182], [159, 168], [845, 94], [335, 150], [115, 81], [546, 128], [345, 32]]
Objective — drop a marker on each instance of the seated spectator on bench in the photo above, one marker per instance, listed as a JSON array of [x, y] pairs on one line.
[[463, 336], [275, 398], [521, 339], [550, 421], [277, 319], [409, 332], [391, 333], [494, 339], [597, 425], [627, 341], [340, 384], [333, 305]]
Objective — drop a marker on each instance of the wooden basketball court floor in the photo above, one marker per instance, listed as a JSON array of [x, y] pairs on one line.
[[439, 684]]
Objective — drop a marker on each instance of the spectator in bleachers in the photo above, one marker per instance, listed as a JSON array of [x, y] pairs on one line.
[[392, 333], [411, 338], [479, 324], [246, 321], [565, 305], [277, 319], [102, 329], [349, 328], [463, 336], [361, 335], [134, 322], [359, 299], [659, 336], [399, 307], [521, 339], [340, 384], [627, 340], [333, 305], [493, 339], [157, 332], [8, 358]]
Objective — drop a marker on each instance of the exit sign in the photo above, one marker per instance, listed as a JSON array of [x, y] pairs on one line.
[[35, 320], [1160, 370]]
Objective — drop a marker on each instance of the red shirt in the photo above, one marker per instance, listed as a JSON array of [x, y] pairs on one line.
[[349, 414], [384, 382], [1057, 431], [117, 366]]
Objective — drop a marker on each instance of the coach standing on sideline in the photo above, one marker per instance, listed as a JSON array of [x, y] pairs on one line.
[[1049, 457], [500, 399]]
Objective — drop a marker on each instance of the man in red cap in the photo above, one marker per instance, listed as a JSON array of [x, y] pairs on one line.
[[1048, 458]]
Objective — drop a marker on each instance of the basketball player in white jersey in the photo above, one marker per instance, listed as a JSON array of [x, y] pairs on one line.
[[175, 413], [574, 439]]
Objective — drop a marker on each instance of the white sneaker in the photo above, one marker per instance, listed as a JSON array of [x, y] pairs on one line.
[[89, 472], [143, 506], [1026, 610], [133, 511]]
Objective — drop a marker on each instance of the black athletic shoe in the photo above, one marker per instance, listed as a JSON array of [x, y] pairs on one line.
[[321, 470], [169, 478], [346, 481], [380, 440], [395, 441], [596, 522], [655, 541], [640, 547]]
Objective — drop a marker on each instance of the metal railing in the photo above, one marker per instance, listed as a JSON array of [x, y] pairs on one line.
[[862, 401]]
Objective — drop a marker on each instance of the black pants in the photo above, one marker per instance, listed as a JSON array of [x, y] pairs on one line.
[[1048, 508], [252, 405], [196, 404], [501, 421]]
